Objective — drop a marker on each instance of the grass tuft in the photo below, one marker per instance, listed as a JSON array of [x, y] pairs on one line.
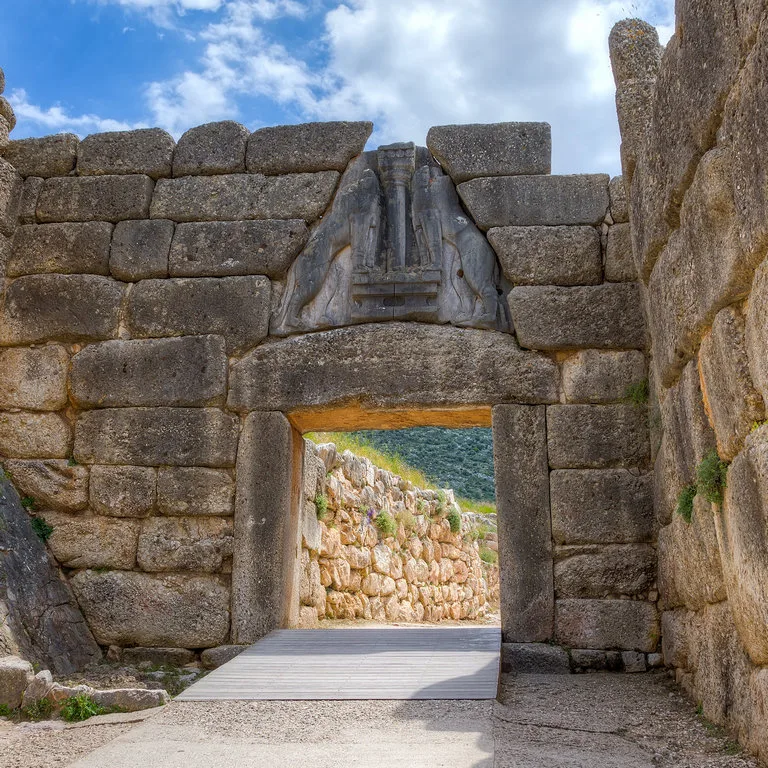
[[77, 708], [685, 503], [321, 504], [488, 555], [386, 524], [711, 477], [41, 528], [637, 393], [454, 520]]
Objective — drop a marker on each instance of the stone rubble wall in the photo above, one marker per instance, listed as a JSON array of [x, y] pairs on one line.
[[352, 570], [694, 123]]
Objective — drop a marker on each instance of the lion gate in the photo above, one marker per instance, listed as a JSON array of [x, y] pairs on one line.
[[174, 316]]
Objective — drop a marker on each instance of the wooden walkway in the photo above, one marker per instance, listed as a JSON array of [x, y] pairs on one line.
[[390, 663]]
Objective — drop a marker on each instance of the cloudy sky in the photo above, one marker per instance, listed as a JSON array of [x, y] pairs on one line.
[[97, 65]]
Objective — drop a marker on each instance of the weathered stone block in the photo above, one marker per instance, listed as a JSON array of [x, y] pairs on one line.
[[217, 249], [756, 330], [597, 436], [191, 370], [602, 624], [494, 149], [618, 193], [244, 196], [674, 638], [549, 255], [457, 367], [534, 659], [140, 249], [130, 699], [213, 658], [525, 533], [596, 317], [536, 200], [84, 541], [730, 398], [177, 657], [15, 675], [184, 437], [595, 376], [103, 198], [619, 263], [62, 248], [146, 151], [52, 483], [635, 50], [44, 157], [306, 148], [40, 308], [211, 149], [123, 491], [185, 544], [28, 203], [25, 435], [236, 308], [35, 379], [604, 571], [191, 491], [143, 609], [11, 187], [591, 506]]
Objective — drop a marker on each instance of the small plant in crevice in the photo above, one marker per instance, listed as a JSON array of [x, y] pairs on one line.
[[41, 528], [72, 462], [711, 477], [407, 519], [637, 393], [454, 520], [685, 503], [40, 710], [321, 504], [28, 503], [386, 524], [421, 506], [77, 708], [488, 555], [6, 711]]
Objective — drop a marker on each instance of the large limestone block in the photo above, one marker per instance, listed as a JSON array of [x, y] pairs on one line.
[[15, 675], [549, 255], [25, 435], [635, 51], [199, 544], [236, 308], [306, 148], [597, 317], [690, 573], [44, 157], [730, 398], [88, 198], [597, 376], [211, 149], [372, 365], [184, 437], [597, 436], [507, 201], [217, 249], [34, 379], [140, 249], [525, 533], [604, 571], [601, 506], [619, 263], [146, 150], [619, 204], [11, 187], [64, 248], [123, 491], [493, 149], [41, 308], [743, 536], [756, 331], [84, 541], [191, 370], [244, 196], [172, 610], [27, 211], [53, 483], [191, 491], [628, 625]]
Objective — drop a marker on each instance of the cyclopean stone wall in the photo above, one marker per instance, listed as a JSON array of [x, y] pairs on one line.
[[694, 122], [422, 571], [160, 358]]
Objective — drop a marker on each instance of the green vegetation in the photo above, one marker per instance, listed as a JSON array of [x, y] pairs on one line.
[[40, 710], [637, 393], [386, 524], [41, 528], [28, 503], [685, 503], [321, 503], [407, 519], [80, 707], [488, 555], [711, 477], [72, 462], [6, 711], [454, 519]]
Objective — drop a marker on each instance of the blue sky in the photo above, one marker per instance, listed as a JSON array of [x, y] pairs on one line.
[[95, 65]]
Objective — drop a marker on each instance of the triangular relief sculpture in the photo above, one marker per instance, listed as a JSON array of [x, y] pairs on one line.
[[396, 245]]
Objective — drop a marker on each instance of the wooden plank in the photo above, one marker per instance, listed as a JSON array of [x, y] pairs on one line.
[[389, 663]]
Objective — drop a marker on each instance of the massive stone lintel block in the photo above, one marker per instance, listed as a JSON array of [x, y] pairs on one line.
[[506, 201], [525, 532], [191, 370], [494, 149], [45, 157], [146, 150], [172, 611], [42, 308], [221, 248], [211, 149], [266, 526], [306, 148], [597, 317], [244, 196], [183, 437], [392, 366]]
